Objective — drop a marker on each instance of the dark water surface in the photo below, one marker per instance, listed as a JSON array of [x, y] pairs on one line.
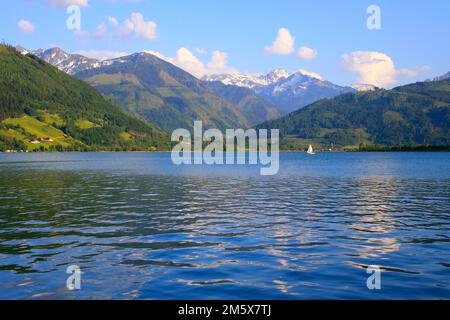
[[142, 228]]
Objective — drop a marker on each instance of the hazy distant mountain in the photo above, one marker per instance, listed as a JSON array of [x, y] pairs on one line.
[[288, 92], [299, 90], [163, 93], [256, 109], [250, 80], [443, 77], [67, 62]]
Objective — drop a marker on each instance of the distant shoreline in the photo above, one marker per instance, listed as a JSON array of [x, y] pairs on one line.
[[394, 150]]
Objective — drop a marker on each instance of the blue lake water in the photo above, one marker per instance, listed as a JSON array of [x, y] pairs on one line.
[[142, 228]]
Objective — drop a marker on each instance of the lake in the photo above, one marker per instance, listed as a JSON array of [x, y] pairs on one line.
[[140, 227]]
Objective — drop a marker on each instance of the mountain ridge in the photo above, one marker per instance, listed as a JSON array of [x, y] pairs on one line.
[[268, 87], [414, 114], [288, 91], [69, 63], [247, 111], [43, 108], [162, 93]]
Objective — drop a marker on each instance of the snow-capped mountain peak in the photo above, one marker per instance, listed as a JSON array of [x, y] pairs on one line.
[[237, 79], [275, 76], [310, 74], [249, 80], [67, 62], [288, 91], [259, 80]]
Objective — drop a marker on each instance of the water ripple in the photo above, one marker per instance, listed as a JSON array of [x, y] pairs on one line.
[[223, 235]]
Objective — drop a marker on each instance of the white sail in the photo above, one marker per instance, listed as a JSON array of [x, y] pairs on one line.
[[310, 149]]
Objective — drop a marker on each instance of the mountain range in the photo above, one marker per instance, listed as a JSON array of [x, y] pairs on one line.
[[43, 108], [66, 62], [277, 92], [415, 114], [162, 93], [154, 93], [288, 91]]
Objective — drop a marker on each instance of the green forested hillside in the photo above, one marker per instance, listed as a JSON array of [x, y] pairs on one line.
[[163, 93], [42, 108], [416, 114]]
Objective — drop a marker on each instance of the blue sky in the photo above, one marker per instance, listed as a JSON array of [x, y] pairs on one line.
[[205, 36]]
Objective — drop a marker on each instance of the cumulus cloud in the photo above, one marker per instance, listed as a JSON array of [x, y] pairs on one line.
[[126, 29], [145, 29], [115, 1], [218, 63], [85, 36], [377, 68], [102, 55], [413, 73], [189, 62], [284, 43], [137, 26], [201, 51], [373, 68], [99, 32], [81, 34], [306, 53], [25, 26], [186, 60], [66, 3], [113, 21]]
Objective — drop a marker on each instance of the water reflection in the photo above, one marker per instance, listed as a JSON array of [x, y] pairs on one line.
[[376, 200], [215, 235]]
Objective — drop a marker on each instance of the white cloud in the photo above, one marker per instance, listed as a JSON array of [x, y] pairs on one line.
[[137, 25], [126, 29], [113, 21], [187, 61], [377, 68], [413, 73], [201, 51], [81, 34], [25, 26], [409, 73], [115, 1], [284, 43], [145, 29], [306, 53], [102, 55], [66, 3], [99, 32], [218, 63], [373, 68]]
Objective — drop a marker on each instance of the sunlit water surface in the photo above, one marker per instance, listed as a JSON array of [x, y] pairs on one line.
[[142, 228]]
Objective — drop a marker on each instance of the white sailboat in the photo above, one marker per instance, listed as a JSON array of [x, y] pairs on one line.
[[311, 150]]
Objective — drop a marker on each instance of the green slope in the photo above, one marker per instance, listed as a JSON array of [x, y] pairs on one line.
[[42, 108], [163, 93], [416, 114]]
